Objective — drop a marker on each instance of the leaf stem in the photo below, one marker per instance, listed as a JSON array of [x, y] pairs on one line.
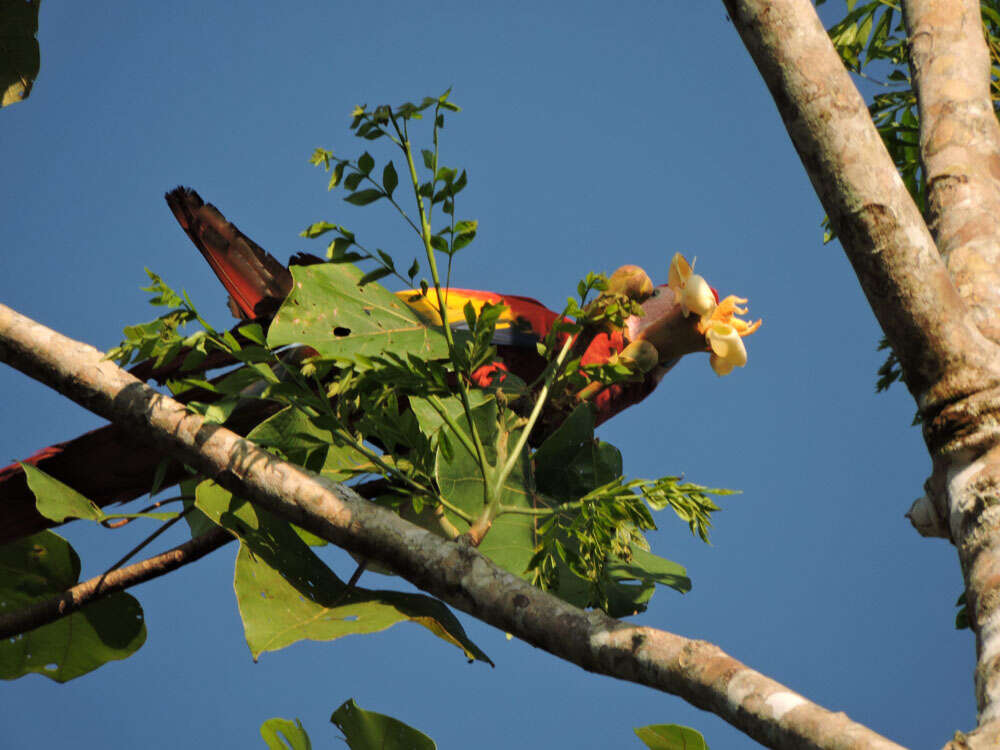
[[432, 263], [536, 412]]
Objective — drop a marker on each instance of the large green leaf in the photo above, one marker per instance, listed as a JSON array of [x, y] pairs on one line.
[[287, 594], [671, 737], [19, 55], [511, 540], [571, 462], [40, 567], [292, 735], [330, 312], [58, 501], [295, 435], [431, 421], [367, 730]]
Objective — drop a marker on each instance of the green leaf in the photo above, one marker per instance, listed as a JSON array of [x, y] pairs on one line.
[[57, 501], [328, 311], [428, 158], [374, 275], [254, 332], [367, 730], [287, 594], [336, 175], [364, 197], [431, 421], [650, 568], [293, 735], [302, 442], [317, 228], [462, 240], [20, 59], [389, 178], [571, 462], [40, 567], [511, 540], [366, 163], [671, 737]]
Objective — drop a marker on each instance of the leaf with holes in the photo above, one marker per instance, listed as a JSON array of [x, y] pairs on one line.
[[287, 594], [282, 734], [42, 566], [330, 312]]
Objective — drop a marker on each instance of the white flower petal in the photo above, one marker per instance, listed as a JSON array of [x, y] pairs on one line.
[[726, 344], [679, 272], [697, 296]]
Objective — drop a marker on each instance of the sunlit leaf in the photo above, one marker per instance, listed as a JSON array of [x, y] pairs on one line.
[[328, 311], [282, 734], [671, 737]]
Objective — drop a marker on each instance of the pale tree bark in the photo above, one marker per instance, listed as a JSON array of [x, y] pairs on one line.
[[697, 671], [941, 314]]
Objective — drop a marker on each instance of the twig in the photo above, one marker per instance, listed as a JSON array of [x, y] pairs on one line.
[[82, 594]]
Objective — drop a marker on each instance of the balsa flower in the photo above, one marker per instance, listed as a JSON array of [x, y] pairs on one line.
[[723, 331], [692, 291], [727, 348]]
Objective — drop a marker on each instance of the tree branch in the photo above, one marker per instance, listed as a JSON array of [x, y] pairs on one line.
[[950, 367], [960, 147], [694, 670], [82, 594], [944, 356]]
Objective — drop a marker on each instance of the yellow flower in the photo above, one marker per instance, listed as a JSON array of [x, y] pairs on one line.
[[727, 348], [723, 331], [692, 291]]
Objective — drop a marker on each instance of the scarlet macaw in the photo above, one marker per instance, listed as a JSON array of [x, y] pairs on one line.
[[108, 465]]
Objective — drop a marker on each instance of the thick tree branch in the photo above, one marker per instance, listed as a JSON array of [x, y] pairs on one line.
[[960, 147], [694, 670], [82, 594], [906, 282], [951, 368]]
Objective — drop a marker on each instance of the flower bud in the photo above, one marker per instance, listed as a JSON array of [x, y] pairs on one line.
[[631, 281], [640, 355]]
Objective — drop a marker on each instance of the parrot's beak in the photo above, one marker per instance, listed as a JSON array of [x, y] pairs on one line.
[[664, 325]]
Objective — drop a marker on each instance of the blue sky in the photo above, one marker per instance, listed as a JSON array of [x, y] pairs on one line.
[[594, 135]]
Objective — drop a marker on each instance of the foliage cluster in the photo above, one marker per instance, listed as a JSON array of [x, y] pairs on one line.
[[352, 383]]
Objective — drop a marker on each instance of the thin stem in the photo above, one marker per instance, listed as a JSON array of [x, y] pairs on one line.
[[142, 545], [467, 517], [448, 420], [432, 263], [533, 417], [118, 523]]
